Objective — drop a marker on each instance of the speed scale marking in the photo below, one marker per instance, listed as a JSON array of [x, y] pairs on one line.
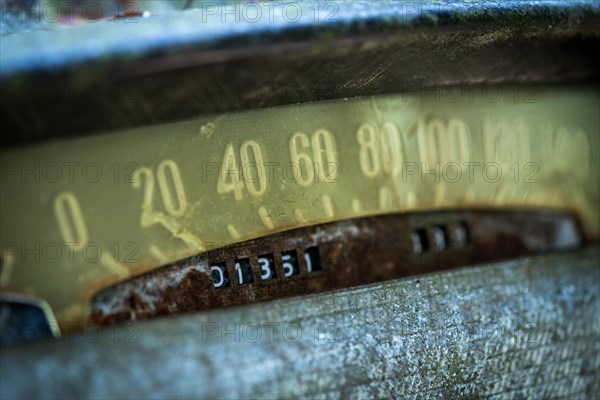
[[79, 215]]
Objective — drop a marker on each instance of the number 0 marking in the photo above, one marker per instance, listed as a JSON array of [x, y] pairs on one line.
[[328, 149], [443, 142], [258, 163], [70, 220], [163, 185]]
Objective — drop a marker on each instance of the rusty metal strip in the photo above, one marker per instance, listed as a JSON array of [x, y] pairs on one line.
[[331, 256]]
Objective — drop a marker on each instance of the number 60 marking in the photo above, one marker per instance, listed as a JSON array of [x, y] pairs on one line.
[[322, 145]]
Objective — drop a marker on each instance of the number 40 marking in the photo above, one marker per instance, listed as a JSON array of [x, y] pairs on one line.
[[251, 176]]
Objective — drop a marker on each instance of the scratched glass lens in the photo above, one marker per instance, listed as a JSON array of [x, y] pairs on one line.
[[79, 215]]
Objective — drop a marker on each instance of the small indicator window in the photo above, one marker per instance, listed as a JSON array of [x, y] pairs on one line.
[[313, 259], [290, 263], [219, 275], [243, 271], [419, 240], [460, 235], [438, 234], [267, 267]]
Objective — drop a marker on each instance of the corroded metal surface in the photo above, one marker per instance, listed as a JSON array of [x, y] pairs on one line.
[[343, 254], [519, 329]]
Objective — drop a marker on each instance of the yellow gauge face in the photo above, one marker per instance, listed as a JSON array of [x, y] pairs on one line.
[[80, 214]]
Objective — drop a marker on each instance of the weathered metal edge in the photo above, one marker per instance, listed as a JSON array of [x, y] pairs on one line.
[[68, 82], [527, 328], [62, 47]]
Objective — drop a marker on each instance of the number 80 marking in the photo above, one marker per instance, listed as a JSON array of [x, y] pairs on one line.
[[374, 145]]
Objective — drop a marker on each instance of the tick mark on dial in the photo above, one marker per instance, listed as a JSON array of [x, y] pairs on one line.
[[233, 232], [327, 206], [265, 218]]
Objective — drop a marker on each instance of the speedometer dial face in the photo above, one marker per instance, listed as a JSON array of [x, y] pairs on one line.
[[82, 214]]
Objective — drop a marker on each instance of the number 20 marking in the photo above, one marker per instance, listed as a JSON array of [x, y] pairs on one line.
[[167, 170]]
